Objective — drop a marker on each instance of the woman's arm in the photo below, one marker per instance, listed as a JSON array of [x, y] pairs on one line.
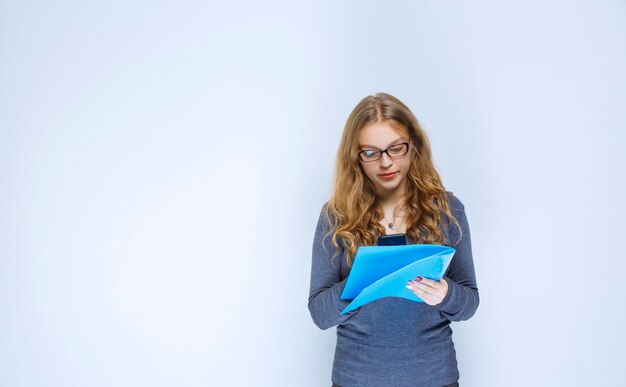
[[462, 299], [326, 283]]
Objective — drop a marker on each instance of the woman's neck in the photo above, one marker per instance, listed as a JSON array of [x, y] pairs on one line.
[[392, 201]]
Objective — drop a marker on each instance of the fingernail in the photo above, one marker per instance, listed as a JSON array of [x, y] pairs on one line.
[[409, 287], [419, 278]]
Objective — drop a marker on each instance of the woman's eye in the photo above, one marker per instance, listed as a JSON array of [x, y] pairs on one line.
[[396, 149], [369, 153]]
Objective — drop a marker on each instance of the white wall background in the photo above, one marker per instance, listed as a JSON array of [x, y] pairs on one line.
[[162, 166]]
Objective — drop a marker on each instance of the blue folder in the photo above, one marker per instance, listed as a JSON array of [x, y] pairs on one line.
[[384, 271]]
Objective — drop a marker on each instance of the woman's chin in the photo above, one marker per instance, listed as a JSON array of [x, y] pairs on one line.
[[387, 189]]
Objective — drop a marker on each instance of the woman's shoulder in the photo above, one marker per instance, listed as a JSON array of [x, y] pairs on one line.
[[454, 202], [326, 218], [324, 211]]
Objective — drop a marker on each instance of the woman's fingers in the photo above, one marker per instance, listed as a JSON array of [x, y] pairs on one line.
[[430, 291], [428, 282], [421, 293]]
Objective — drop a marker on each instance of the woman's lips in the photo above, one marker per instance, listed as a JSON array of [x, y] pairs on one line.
[[387, 176]]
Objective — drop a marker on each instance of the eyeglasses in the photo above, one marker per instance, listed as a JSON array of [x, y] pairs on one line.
[[393, 151]]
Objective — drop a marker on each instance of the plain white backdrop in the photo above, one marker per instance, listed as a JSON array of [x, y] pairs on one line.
[[162, 167]]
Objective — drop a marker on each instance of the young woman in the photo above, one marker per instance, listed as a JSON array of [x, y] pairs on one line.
[[385, 183]]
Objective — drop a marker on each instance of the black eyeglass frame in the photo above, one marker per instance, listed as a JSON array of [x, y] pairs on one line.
[[380, 152]]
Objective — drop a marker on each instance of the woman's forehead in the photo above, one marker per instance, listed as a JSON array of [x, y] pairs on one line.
[[381, 134]]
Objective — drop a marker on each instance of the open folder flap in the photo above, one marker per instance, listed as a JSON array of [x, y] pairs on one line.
[[384, 271]]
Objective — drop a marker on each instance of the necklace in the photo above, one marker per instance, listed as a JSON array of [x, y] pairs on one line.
[[392, 226]]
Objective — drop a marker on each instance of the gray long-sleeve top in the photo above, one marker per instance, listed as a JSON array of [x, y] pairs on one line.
[[393, 341]]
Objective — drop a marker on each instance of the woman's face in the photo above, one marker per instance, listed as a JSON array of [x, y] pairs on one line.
[[388, 173]]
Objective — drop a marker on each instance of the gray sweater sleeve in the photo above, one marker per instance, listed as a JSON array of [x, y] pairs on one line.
[[462, 299], [326, 279]]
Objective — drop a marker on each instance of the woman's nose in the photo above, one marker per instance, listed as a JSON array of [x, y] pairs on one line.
[[385, 160]]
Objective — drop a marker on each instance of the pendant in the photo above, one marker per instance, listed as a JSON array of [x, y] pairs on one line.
[[393, 226]]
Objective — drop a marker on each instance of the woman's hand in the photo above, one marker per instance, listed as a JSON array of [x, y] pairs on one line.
[[432, 292]]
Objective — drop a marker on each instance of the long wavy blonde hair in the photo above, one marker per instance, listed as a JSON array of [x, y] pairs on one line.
[[354, 212]]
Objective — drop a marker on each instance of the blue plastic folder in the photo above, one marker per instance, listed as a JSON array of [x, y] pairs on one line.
[[384, 271]]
